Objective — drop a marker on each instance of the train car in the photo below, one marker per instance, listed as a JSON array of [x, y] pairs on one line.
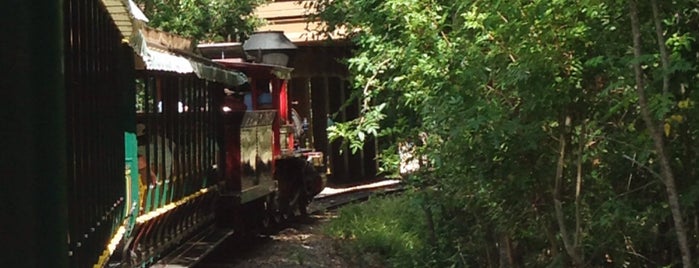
[[175, 155], [131, 147], [71, 73]]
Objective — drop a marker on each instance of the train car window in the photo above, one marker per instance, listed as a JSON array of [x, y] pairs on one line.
[[147, 98], [248, 101], [264, 101], [263, 94]]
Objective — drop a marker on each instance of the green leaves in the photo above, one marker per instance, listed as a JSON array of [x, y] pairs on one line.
[[660, 105], [355, 132], [203, 20], [497, 86]]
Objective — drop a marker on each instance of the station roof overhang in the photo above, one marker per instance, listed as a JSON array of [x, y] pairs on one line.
[[296, 19]]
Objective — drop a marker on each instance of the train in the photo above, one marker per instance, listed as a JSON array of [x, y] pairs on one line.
[[144, 143]]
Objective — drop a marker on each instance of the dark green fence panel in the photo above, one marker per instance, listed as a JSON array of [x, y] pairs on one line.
[[95, 130], [32, 195]]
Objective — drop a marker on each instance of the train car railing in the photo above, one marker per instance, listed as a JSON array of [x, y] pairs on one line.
[[176, 134], [94, 81], [178, 152]]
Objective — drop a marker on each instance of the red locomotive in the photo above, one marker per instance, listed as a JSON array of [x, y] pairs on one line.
[[265, 165]]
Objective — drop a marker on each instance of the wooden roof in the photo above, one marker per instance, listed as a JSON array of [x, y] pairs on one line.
[[293, 17]]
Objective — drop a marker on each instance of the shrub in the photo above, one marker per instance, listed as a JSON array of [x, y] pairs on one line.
[[384, 231]]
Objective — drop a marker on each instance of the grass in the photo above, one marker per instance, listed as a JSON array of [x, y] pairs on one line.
[[382, 232]]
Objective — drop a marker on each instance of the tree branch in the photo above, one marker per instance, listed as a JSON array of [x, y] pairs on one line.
[[664, 57], [558, 207], [665, 169], [578, 188]]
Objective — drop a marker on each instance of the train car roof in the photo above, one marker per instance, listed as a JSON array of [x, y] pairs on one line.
[[126, 15], [162, 51]]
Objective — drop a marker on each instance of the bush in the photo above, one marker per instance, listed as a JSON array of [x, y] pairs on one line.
[[384, 231]]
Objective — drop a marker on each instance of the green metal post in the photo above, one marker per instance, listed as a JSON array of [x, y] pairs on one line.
[[157, 197], [130, 142], [33, 229], [165, 193]]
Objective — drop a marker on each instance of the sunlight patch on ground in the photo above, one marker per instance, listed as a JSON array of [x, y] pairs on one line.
[[328, 191]]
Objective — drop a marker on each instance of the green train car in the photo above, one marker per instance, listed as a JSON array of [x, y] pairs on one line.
[[117, 150]]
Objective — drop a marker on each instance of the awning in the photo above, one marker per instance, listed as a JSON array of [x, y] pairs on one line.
[[163, 61], [123, 13], [160, 60], [130, 20], [136, 12]]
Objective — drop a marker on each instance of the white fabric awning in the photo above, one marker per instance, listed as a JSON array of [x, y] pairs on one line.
[[130, 20], [163, 61], [136, 12], [159, 60]]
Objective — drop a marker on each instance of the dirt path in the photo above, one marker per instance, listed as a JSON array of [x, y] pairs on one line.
[[300, 244]]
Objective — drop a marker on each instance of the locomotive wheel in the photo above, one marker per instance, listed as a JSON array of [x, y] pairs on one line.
[[290, 206], [298, 204], [262, 212], [273, 209], [287, 203], [270, 218], [302, 204], [282, 203]]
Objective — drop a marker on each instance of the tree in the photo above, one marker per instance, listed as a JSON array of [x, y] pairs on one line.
[[537, 136], [667, 175], [203, 20]]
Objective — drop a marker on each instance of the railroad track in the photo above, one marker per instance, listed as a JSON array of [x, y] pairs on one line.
[[192, 252], [332, 199]]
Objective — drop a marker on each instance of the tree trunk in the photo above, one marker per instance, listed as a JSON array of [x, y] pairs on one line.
[[568, 244], [664, 57], [657, 136], [505, 248], [578, 189], [429, 219]]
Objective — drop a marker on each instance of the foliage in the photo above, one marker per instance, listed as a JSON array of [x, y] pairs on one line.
[[381, 231], [538, 154], [361, 129], [203, 20]]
